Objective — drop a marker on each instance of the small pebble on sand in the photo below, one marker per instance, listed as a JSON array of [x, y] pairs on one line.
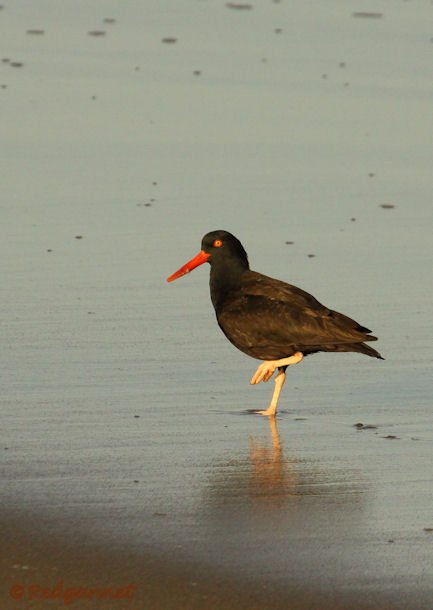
[[367, 15], [361, 426], [239, 6]]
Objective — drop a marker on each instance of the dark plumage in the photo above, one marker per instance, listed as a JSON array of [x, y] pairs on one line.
[[269, 319]]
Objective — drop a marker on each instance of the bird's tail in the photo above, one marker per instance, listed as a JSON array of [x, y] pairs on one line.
[[362, 348]]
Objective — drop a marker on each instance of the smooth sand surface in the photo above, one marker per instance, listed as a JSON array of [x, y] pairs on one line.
[[128, 453], [57, 571]]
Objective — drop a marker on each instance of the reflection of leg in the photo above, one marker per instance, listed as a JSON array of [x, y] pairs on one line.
[[267, 368], [276, 445], [279, 382]]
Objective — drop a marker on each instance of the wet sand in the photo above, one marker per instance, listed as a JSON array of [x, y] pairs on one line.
[[128, 454], [43, 571]]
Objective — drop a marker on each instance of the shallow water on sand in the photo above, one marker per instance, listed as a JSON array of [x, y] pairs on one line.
[[124, 408]]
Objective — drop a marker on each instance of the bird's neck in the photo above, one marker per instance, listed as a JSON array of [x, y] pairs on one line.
[[225, 278]]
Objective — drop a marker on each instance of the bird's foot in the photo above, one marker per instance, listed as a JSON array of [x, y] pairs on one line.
[[264, 372], [267, 368], [267, 412]]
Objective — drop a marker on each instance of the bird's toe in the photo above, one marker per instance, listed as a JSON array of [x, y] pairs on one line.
[[263, 373]]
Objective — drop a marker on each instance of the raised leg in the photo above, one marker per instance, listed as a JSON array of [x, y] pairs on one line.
[[267, 368]]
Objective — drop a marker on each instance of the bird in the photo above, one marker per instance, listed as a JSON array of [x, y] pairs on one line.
[[268, 319]]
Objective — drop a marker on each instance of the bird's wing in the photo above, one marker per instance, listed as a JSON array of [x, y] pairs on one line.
[[269, 312], [256, 284]]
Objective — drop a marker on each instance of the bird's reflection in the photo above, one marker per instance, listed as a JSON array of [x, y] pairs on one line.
[[278, 510], [266, 475], [271, 475]]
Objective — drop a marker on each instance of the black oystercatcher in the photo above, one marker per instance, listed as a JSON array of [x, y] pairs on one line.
[[269, 319]]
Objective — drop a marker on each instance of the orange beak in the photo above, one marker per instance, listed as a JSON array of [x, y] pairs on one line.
[[201, 258]]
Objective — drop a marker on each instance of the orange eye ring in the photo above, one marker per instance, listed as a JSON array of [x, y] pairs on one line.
[[217, 243]]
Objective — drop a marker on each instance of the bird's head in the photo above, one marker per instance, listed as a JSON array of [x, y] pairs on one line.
[[216, 246]]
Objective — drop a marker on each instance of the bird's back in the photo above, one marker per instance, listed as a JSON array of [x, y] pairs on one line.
[[269, 319]]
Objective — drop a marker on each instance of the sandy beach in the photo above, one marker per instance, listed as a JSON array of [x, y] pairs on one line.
[[58, 572], [129, 455]]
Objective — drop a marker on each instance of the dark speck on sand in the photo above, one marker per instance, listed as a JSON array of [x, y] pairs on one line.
[[239, 6], [367, 15], [361, 426], [96, 33], [169, 40], [387, 206]]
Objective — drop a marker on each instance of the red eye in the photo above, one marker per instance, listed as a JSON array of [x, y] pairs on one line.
[[217, 243]]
